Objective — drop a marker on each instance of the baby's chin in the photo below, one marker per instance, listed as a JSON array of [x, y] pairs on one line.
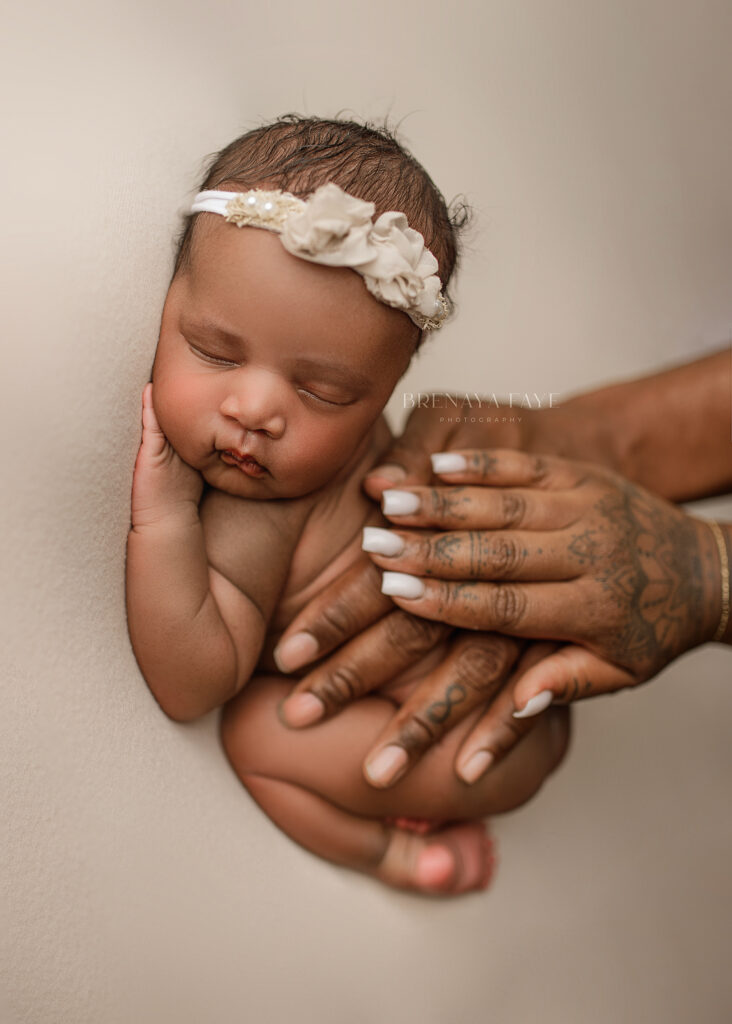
[[234, 481]]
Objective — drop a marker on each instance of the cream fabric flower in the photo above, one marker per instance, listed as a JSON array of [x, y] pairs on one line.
[[333, 229], [336, 229]]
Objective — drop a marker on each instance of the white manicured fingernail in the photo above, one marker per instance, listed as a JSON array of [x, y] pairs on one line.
[[536, 705], [400, 503], [381, 542], [476, 765], [401, 584], [448, 462]]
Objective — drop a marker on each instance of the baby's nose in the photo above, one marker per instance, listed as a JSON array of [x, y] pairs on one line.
[[256, 401]]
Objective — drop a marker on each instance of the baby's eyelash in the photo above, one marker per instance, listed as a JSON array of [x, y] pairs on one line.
[[304, 391], [210, 358], [324, 401]]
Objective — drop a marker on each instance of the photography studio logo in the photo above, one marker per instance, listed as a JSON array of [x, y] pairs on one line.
[[470, 407]]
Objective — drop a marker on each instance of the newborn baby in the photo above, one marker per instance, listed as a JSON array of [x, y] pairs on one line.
[[295, 307]]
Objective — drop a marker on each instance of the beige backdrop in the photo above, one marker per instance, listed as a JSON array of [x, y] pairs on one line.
[[139, 883]]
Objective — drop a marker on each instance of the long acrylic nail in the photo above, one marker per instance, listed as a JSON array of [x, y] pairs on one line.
[[302, 709], [387, 766], [448, 462], [401, 584], [400, 503], [296, 651], [476, 766], [381, 542], [536, 705]]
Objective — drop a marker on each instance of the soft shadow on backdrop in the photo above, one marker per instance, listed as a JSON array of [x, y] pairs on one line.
[[139, 882]]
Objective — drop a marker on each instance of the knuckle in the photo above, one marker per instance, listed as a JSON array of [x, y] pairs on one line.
[[337, 622], [427, 550], [503, 555], [411, 634], [513, 508], [450, 598], [479, 663], [539, 470], [416, 735], [509, 606], [341, 685], [433, 500]]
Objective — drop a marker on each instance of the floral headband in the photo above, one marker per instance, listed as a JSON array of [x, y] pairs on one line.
[[336, 229]]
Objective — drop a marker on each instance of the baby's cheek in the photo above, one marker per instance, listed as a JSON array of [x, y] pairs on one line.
[[177, 400], [317, 455]]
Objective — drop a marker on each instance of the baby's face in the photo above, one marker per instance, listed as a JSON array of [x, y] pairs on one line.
[[270, 370]]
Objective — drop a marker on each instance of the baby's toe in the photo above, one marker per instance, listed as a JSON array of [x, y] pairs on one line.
[[456, 860]]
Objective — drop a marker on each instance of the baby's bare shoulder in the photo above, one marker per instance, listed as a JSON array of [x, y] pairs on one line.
[[251, 540]]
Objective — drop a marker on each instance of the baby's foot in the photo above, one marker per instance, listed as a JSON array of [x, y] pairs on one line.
[[422, 826], [455, 860]]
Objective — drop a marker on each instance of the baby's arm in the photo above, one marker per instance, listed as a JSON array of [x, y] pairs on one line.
[[198, 593], [310, 782]]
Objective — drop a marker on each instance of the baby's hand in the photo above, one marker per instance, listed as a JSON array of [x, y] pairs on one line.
[[163, 483]]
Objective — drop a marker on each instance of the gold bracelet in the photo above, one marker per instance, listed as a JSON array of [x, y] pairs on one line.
[[724, 566]]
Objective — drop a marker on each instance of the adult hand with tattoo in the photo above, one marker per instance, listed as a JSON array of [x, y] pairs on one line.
[[366, 642], [543, 547], [669, 431]]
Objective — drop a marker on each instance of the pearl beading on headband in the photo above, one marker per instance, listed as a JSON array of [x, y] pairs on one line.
[[334, 228]]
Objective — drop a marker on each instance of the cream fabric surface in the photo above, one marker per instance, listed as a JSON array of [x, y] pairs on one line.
[[139, 882]]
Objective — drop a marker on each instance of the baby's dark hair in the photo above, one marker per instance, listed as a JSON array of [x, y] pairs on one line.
[[298, 154]]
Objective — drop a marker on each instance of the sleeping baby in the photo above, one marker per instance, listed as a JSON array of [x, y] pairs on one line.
[[315, 256]]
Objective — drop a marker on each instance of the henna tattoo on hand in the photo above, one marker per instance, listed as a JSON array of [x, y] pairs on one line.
[[585, 547], [654, 578], [445, 502], [443, 547], [483, 463]]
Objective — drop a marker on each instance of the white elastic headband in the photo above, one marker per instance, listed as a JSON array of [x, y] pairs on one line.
[[336, 229]]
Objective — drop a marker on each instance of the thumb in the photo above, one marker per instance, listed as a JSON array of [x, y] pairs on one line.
[[408, 460], [149, 419], [572, 673], [154, 441]]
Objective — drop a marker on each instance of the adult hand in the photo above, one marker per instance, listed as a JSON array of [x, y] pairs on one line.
[[625, 579], [374, 642]]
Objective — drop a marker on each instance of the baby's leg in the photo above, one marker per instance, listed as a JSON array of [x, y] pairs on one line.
[[326, 761], [454, 860]]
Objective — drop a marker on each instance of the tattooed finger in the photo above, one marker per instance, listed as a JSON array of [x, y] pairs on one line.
[[505, 467], [572, 673], [480, 554], [475, 668]]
